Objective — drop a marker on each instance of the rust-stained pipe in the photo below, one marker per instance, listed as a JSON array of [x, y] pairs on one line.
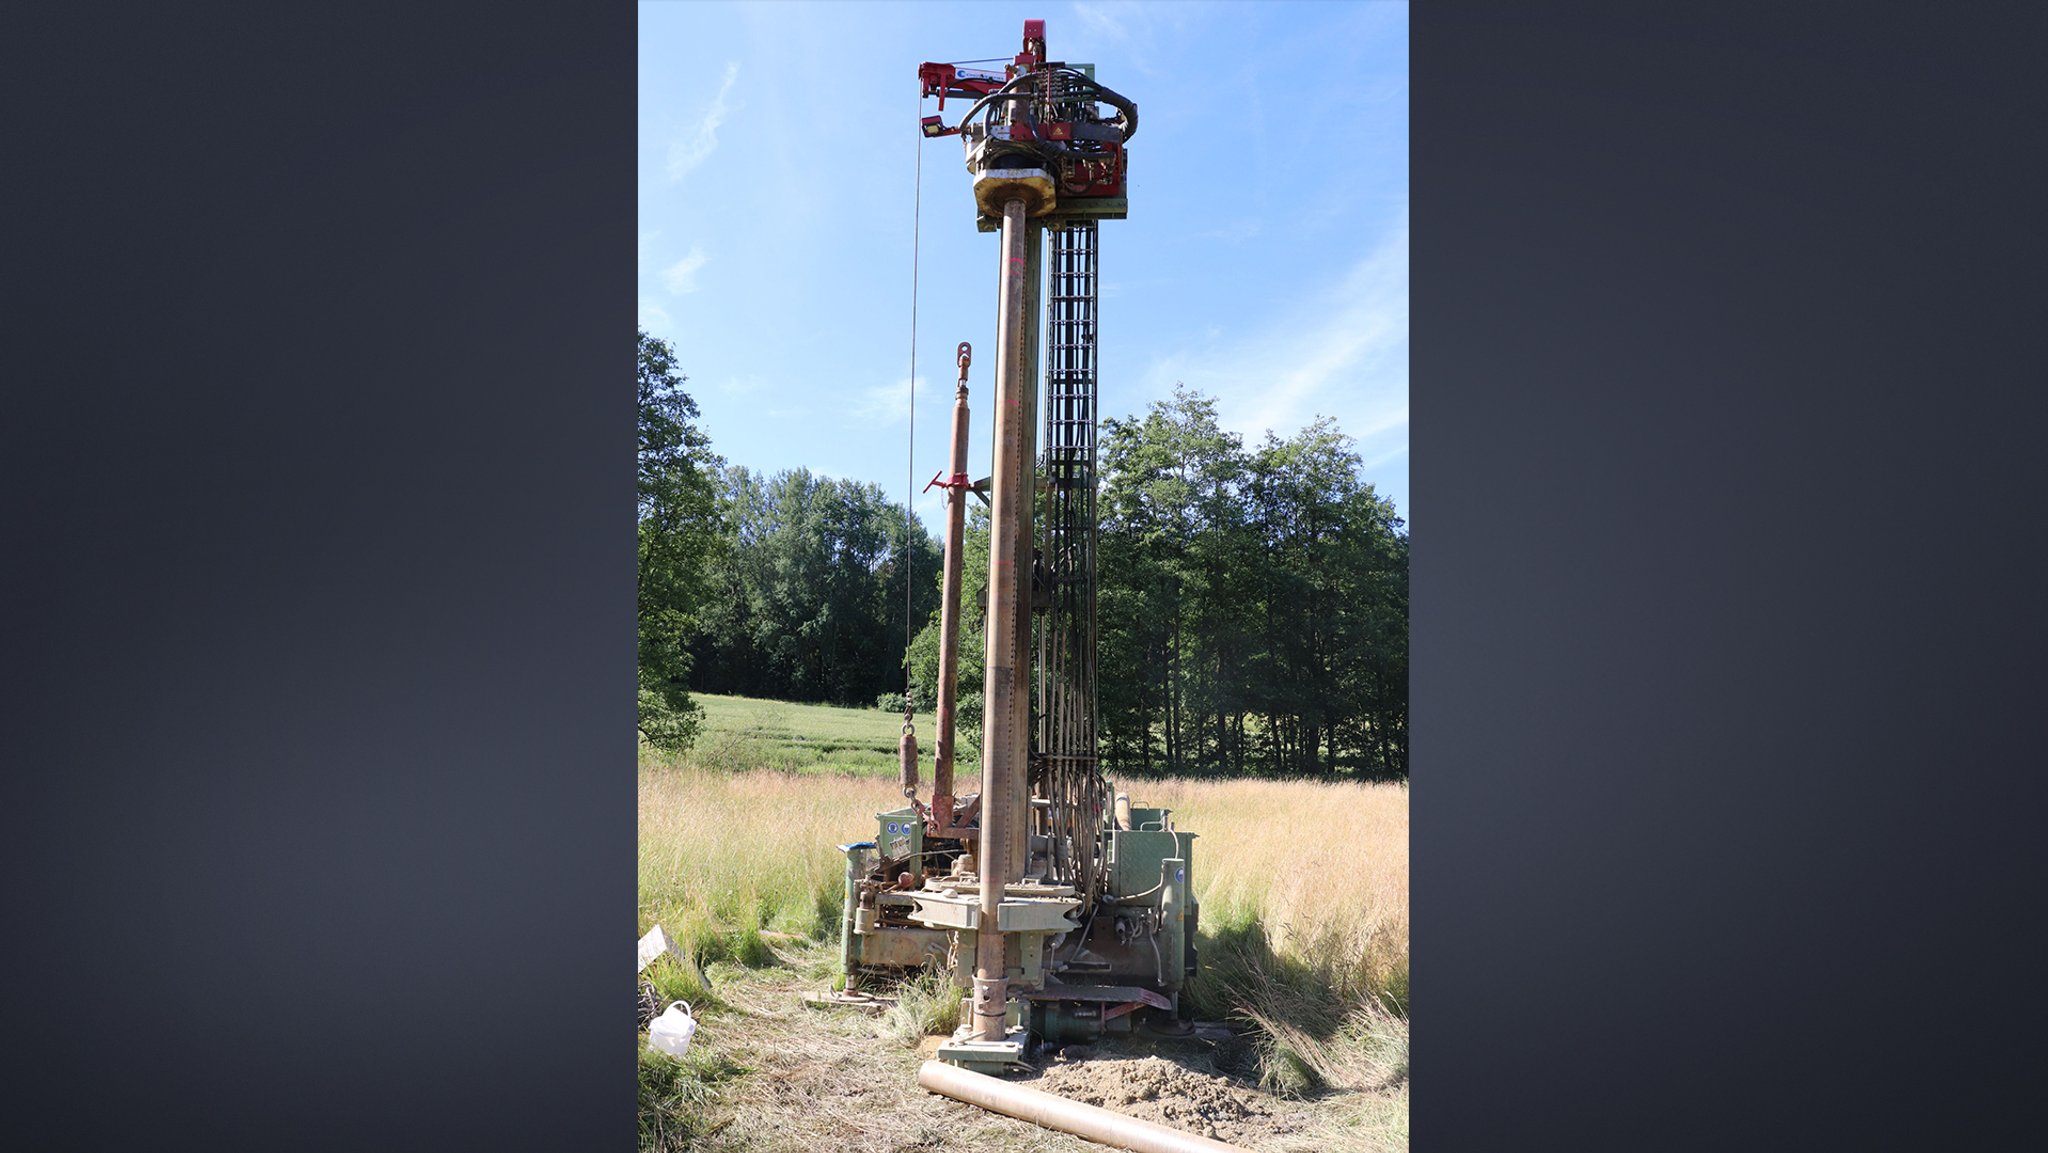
[[1025, 349], [1001, 760], [949, 607], [1043, 1109]]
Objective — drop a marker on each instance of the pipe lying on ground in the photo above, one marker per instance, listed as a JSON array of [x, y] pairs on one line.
[[1043, 1109]]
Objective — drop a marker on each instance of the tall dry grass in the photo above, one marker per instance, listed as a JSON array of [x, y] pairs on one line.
[[1321, 869], [1304, 922], [1314, 863], [724, 855], [1313, 874], [1303, 889]]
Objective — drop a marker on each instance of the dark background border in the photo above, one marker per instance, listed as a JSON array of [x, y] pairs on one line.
[[317, 655], [1727, 589]]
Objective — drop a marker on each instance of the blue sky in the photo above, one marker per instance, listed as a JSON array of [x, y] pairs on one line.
[[1265, 260]]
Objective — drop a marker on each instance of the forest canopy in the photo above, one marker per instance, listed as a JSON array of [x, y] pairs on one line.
[[1253, 601]]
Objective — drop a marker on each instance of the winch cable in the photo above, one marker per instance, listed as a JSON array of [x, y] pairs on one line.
[[911, 523]]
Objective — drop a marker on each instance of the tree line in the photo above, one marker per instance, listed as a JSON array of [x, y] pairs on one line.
[[789, 586], [1253, 602], [807, 594]]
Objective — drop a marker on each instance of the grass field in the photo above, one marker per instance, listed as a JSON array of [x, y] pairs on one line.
[[1304, 929], [744, 734]]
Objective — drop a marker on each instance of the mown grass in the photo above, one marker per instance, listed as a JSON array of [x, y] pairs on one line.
[[676, 1093], [742, 734], [1303, 889], [809, 1079]]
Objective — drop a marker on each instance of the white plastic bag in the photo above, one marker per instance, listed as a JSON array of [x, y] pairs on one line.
[[653, 945], [671, 1031]]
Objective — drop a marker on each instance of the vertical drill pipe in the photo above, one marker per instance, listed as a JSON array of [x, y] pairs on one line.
[[848, 950], [1058, 1113], [1000, 761], [949, 611], [1026, 353]]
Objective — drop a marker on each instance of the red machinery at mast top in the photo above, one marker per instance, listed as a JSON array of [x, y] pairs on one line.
[[1040, 113]]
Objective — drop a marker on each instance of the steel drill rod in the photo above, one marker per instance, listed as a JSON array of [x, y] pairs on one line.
[[1043, 1109], [1024, 348], [949, 607], [999, 762]]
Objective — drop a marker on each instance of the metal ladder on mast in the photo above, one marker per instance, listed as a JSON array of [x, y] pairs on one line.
[[1071, 778]]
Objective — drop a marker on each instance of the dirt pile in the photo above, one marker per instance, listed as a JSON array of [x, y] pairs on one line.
[[1158, 1090]]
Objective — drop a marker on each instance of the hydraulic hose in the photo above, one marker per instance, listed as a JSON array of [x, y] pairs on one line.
[[1017, 89]]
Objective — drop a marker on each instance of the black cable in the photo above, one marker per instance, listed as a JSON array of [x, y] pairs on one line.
[[911, 523], [1016, 89]]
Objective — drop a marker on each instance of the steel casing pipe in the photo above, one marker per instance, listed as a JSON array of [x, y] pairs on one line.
[[1043, 1109]]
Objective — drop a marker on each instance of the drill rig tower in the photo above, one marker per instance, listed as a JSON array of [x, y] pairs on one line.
[[1063, 909]]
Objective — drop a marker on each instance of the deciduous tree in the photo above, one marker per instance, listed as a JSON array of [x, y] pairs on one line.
[[678, 536]]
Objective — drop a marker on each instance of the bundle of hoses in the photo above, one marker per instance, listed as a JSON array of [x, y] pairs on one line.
[[1092, 1122], [1026, 91]]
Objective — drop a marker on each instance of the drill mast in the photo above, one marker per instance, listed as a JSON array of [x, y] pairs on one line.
[[1066, 911]]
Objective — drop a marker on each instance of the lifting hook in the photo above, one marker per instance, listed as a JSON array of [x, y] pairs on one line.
[[965, 355]]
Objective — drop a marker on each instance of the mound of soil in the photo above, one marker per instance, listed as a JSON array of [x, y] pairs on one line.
[[1159, 1090]]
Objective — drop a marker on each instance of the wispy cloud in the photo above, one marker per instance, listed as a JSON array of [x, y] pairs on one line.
[[1351, 363], [681, 277], [1099, 21], [930, 507], [887, 404], [1145, 31], [651, 315], [1387, 457], [692, 148], [1237, 231]]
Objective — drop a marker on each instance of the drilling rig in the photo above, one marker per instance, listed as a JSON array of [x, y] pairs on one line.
[[1062, 909]]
